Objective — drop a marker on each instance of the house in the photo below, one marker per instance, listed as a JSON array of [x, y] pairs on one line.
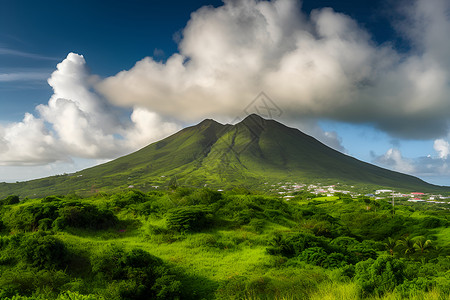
[[383, 191]]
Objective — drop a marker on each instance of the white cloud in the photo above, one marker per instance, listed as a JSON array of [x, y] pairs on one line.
[[321, 66], [77, 122], [84, 124], [147, 126], [429, 166], [393, 159], [12, 52], [15, 173], [442, 147], [22, 76], [28, 143]]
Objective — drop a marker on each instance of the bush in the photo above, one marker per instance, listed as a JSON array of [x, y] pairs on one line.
[[138, 274], [189, 218], [129, 198], [432, 222], [82, 215], [204, 196], [45, 215], [10, 200], [379, 276], [76, 296], [313, 255], [294, 244], [107, 264], [27, 218], [15, 283], [51, 199], [43, 251], [319, 257]]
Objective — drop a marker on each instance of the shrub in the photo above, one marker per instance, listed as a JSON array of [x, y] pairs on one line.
[[129, 198], [335, 260], [82, 215], [10, 200], [256, 225], [411, 287], [293, 244], [432, 222], [204, 196], [379, 276], [16, 283], [137, 274], [43, 250], [51, 199], [76, 296], [319, 257], [107, 264], [27, 217], [189, 218], [313, 255]]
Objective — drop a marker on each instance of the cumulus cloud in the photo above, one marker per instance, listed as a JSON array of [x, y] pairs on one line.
[[323, 65], [394, 160], [147, 126], [84, 123], [442, 147], [318, 66], [28, 142], [77, 122], [424, 166]]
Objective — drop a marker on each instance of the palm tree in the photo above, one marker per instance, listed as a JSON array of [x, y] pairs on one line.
[[407, 244], [390, 245], [422, 244]]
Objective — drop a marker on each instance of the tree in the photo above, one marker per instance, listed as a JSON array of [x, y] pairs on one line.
[[390, 245], [407, 245], [422, 244], [379, 276]]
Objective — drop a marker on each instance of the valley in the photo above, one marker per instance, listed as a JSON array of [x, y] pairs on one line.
[[188, 243]]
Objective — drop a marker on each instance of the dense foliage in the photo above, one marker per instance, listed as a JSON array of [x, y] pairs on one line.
[[189, 243]]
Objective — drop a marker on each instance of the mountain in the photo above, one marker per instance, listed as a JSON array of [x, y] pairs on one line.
[[250, 153]]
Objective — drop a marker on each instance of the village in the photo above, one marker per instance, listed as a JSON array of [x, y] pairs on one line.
[[289, 190]]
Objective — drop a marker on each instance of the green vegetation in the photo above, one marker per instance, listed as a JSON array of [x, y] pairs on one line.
[[248, 154], [188, 243]]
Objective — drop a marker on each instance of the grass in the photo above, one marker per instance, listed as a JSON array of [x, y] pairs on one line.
[[229, 259]]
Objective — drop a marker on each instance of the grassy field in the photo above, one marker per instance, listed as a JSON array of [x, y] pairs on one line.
[[202, 244]]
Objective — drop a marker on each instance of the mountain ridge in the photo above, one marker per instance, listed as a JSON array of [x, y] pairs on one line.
[[249, 153]]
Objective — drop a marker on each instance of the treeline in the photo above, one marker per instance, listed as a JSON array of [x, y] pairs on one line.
[[155, 245]]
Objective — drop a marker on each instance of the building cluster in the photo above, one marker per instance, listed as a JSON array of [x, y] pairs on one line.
[[288, 190]]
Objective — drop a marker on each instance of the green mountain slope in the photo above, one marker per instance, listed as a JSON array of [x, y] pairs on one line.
[[250, 153]]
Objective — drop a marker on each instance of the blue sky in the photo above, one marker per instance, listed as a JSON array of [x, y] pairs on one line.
[[83, 82]]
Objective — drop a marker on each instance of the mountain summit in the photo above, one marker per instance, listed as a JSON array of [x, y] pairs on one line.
[[250, 153]]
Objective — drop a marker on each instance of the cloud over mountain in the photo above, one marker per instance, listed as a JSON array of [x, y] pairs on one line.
[[77, 122], [320, 66]]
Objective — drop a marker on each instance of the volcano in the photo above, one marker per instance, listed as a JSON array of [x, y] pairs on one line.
[[251, 153]]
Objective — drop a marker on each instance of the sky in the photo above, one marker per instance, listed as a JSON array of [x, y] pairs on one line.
[[83, 82]]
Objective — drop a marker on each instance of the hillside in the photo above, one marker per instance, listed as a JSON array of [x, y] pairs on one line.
[[248, 154]]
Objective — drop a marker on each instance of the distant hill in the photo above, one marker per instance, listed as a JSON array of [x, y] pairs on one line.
[[250, 153]]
